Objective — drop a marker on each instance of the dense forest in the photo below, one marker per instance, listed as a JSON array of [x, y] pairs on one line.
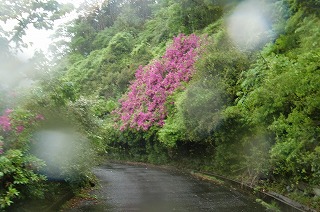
[[230, 87]]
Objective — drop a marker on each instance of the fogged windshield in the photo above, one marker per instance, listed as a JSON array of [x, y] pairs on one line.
[[97, 97]]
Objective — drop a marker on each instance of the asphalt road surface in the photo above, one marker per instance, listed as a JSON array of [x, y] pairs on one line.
[[140, 188]]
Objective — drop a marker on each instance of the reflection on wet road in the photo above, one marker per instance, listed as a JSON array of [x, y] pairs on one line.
[[139, 188]]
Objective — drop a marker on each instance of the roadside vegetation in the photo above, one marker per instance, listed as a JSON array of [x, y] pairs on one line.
[[164, 82]]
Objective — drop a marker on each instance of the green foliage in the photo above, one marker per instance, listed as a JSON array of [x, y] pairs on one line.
[[73, 163], [121, 44], [157, 153], [196, 15], [311, 6], [141, 53], [272, 207], [102, 108], [106, 70], [197, 112], [163, 26], [23, 123], [283, 97], [174, 129], [84, 36], [3, 99], [63, 92], [103, 38], [114, 50], [230, 154], [18, 177], [93, 31], [75, 118], [201, 108]]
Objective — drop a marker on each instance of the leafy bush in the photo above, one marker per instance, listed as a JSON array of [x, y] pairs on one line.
[[18, 169], [174, 129], [157, 153], [17, 126], [68, 156], [18, 177], [121, 44], [283, 98], [201, 108]]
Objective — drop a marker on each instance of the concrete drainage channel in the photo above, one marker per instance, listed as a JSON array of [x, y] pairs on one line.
[[283, 203]]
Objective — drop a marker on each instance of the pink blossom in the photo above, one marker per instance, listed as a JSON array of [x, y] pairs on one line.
[[40, 117], [19, 129], [144, 104], [5, 123], [8, 112]]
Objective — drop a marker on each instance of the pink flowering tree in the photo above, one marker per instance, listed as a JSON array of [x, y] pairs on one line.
[[18, 167], [5, 125], [144, 105], [5, 122], [15, 126]]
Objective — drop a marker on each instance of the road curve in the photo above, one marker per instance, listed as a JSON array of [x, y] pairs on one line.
[[140, 188]]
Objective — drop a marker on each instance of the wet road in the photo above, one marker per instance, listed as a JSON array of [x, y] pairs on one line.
[[140, 188]]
